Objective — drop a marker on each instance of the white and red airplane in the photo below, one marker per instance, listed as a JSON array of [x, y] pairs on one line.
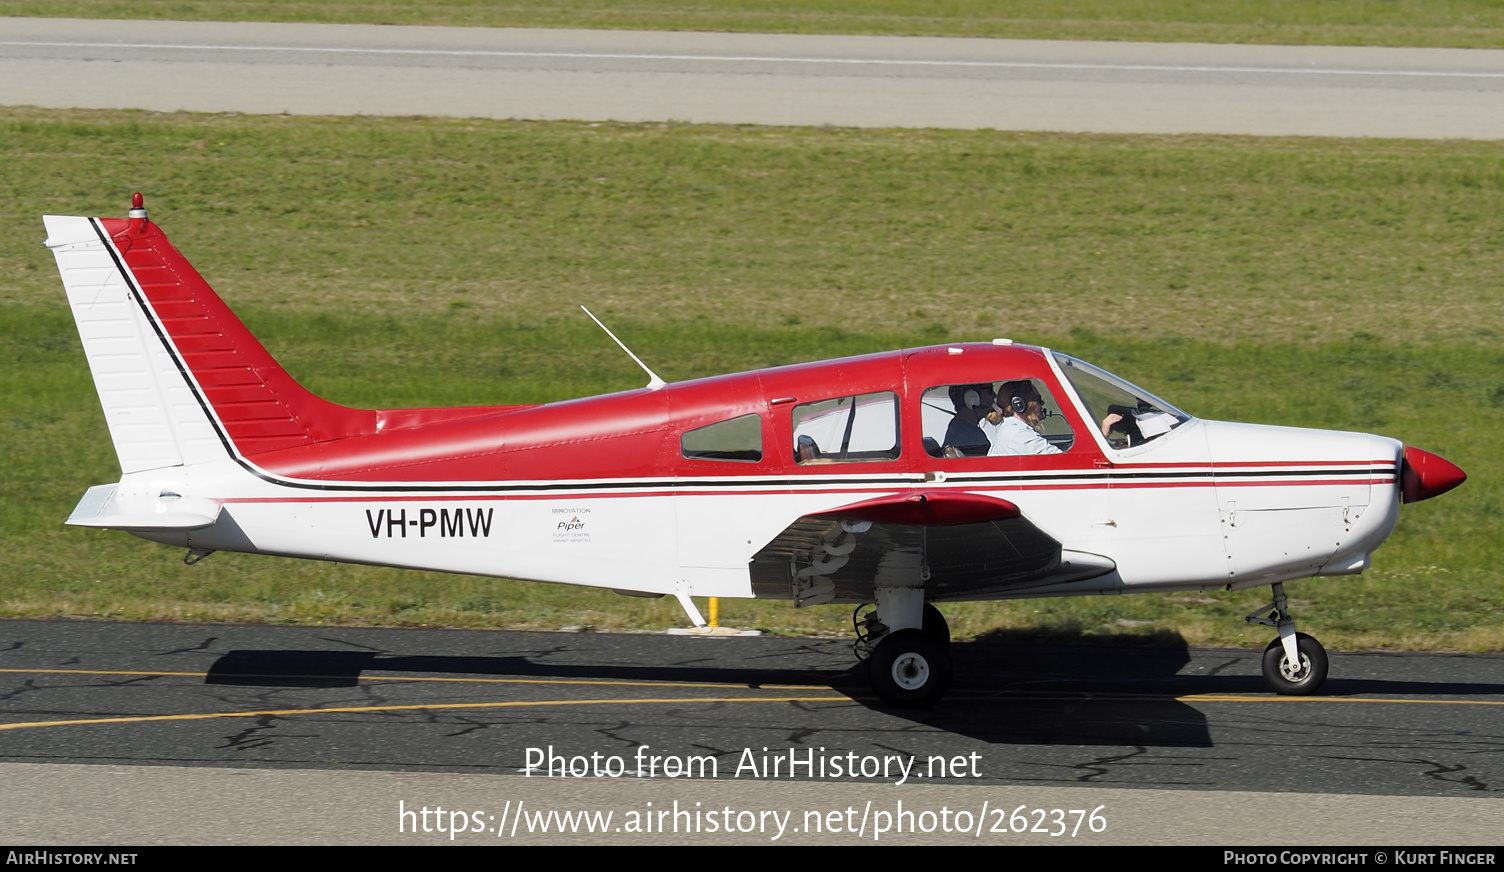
[[875, 479]]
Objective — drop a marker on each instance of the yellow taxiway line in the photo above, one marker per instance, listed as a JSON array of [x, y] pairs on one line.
[[138, 719]]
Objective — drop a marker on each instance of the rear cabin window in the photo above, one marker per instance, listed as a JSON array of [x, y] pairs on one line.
[[732, 439], [855, 429]]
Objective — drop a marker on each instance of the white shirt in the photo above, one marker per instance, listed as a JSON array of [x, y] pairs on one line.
[[1012, 436]]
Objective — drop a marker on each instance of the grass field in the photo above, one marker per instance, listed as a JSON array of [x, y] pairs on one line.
[[1457, 23], [1341, 284]]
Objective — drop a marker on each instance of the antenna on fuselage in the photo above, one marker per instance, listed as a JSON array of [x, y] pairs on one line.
[[654, 382]]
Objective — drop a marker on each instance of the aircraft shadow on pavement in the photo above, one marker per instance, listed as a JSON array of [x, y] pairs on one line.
[[1064, 694], [344, 668], [1020, 694], [1004, 692]]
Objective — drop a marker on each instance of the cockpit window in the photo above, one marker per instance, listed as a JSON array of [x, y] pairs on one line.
[[1128, 415], [993, 419], [732, 439], [847, 429]]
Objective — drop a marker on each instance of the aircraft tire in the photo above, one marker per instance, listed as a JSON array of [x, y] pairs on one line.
[[936, 628], [1308, 679], [910, 670]]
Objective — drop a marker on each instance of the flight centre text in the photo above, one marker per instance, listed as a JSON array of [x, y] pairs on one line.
[[806, 763], [423, 522]]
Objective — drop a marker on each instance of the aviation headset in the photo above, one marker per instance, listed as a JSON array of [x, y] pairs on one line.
[[966, 396], [1020, 393]]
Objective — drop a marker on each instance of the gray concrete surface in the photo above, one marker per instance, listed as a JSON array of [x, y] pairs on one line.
[[753, 78], [61, 804]]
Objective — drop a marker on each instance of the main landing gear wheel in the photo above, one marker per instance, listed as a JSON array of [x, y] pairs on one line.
[[935, 626], [909, 669], [1295, 679]]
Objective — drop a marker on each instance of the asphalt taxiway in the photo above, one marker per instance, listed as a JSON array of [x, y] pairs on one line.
[[350, 713]]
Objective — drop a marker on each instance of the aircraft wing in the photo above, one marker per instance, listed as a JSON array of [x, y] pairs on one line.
[[961, 546]]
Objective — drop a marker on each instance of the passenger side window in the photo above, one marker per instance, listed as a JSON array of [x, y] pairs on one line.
[[855, 429], [733, 439]]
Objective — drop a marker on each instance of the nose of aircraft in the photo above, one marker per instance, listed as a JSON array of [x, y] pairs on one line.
[[1425, 475]]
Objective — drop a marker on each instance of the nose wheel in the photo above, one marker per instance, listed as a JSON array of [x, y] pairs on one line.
[[1300, 677], [1294, 664]]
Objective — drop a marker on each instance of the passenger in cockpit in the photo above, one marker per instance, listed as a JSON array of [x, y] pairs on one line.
[[972, 403]]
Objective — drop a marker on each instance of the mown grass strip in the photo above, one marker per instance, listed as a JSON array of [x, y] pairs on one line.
[[1455, 23], [951, 232]]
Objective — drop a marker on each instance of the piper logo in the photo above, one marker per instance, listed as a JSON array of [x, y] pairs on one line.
[[571, 527]]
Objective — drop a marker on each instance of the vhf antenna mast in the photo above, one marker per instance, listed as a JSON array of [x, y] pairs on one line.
[[654, 382]]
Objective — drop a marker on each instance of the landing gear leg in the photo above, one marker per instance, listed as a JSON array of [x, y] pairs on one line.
[[1294, 664]]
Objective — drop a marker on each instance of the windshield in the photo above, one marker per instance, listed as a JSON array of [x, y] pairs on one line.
[[1127, 415]]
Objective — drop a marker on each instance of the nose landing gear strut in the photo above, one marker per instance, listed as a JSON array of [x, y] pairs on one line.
[[1294, 664]]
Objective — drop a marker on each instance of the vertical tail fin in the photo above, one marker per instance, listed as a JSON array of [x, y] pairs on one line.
[[181, 379]]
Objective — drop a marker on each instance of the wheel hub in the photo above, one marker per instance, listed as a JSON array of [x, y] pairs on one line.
[[911, 671], [1292, 674]]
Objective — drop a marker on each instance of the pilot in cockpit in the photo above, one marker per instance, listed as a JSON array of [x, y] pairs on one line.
[[1015, 421]]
